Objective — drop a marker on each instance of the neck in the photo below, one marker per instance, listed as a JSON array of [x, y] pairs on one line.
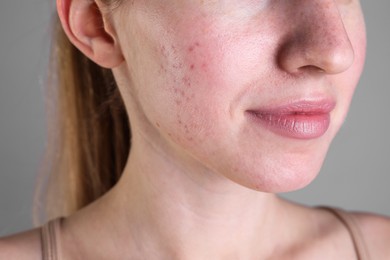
[[173, 211]]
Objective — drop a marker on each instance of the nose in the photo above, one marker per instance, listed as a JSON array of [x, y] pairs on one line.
[[317, 40]]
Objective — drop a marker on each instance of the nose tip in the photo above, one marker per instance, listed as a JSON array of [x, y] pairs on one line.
[[319, 43], [329, 58], [337, 60]]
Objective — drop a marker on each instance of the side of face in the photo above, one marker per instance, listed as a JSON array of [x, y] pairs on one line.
[[194, 69]]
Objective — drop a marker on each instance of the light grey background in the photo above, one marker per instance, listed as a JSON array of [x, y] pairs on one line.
[[355, 176]]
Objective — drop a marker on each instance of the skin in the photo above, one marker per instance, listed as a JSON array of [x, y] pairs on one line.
[[201, 178], [191, 89]]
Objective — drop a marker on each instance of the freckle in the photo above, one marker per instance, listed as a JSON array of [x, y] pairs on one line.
[[178, 102], [169, 134], [180, 122], [188, 99], [197, 44], [157, 124]]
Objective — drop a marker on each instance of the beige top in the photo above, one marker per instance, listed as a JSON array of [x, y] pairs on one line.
[[350, 223], [50, 240], [51, 243]]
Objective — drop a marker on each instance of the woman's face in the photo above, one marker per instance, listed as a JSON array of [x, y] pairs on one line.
[[254, 90]]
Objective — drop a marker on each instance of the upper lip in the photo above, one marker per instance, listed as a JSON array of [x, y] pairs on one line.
[[304, 107]]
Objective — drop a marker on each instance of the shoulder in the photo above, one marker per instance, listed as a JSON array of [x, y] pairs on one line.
[[376, 232], [22, 246]]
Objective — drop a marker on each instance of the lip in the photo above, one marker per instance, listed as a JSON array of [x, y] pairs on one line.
[[299, 120]]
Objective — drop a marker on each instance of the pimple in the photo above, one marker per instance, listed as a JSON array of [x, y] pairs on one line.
[[186, 129], [192, 47], [163, 51], [179, 91], [192, 66], [177, 65], [163, 70], [187, 81]]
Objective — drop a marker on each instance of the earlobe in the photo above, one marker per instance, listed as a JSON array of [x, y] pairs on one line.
[[84, 24]]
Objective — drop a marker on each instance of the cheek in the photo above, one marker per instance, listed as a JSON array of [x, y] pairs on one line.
[[208, 72], [189, 107], [191, 87]]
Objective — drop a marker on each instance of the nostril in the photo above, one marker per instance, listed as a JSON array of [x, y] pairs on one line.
[[312, 68]]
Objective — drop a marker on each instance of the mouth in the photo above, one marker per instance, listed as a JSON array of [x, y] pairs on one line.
[[299, 120]]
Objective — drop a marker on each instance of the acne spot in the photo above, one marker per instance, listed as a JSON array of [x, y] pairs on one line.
[[186, 129], [163, 51], [177, 65], [163, 70], [192, 66], [178, 91], [192, 47], [187, 81]]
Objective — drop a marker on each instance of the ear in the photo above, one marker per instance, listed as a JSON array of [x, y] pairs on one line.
[[86, 28]]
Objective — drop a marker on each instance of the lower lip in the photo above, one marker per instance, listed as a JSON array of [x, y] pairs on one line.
[[298, 126]]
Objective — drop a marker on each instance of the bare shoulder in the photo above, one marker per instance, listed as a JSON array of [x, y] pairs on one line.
[[22, 246], [376, 232]]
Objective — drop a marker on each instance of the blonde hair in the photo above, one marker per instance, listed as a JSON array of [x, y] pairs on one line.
[[89, 132]]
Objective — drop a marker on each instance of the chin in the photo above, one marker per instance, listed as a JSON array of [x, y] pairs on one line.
[[276, 177], [282, 181]]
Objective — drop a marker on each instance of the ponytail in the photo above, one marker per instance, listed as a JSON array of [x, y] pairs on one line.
[[89, 132]]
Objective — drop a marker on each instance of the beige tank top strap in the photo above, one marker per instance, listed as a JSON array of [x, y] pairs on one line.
[[351, 224], [50, 240]]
